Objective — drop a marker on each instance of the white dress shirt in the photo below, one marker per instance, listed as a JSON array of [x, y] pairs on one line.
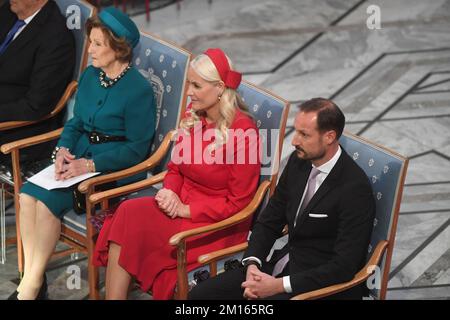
[[324, 169], [27, 21]]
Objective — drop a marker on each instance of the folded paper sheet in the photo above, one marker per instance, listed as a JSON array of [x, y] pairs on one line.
[[46, 179]]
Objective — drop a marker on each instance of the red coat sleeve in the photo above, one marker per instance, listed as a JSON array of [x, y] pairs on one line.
[[173, 179], [242, 183]]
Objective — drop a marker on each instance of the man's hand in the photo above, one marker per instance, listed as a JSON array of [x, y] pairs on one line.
[[261, 285], [251, 276]]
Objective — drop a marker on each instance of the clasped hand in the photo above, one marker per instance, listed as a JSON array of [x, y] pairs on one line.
[[261, 285], [169, 202], [66, 166]]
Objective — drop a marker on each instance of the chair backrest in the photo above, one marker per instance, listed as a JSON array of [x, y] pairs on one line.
[[77, 12], [386, 171], [270, 113], [165, 66]]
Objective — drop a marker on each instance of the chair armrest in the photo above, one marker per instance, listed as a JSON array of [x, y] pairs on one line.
[[129, 188], [360, 277], [27, 142], [146, 165], [235, 219], [219, 254], [71, 88]]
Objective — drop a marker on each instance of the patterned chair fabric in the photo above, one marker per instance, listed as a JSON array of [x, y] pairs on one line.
[[77, 12], [270, 114], [386, 171], [165, 66]]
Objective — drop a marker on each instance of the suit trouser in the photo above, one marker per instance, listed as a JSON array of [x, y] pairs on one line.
[[227, 286]]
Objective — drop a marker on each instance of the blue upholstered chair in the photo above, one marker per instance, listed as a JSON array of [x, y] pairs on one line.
[[77, 13], [386, 171], [165, 66], [270, 113], [72, 9]]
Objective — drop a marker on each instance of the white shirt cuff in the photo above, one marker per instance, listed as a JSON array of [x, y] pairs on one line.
[[287, 284], [252, 258]]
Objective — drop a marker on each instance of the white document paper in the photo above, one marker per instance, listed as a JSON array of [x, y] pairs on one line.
[[46, 179]]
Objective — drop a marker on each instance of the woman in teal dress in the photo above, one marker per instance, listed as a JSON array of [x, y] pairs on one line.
[[112, 128]]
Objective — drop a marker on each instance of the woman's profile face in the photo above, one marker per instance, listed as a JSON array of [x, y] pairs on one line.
[[203, 94], [101, 53]]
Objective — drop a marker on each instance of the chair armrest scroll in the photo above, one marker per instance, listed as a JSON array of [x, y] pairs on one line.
[[360, 277], [235, 219], [146, 165], [129, 188], [27, 142], [219, 254], [71, 87]]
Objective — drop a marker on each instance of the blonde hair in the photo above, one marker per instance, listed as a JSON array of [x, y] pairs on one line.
[[229, 101]]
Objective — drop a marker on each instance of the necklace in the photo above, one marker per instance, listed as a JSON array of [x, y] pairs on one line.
[[109, 83]]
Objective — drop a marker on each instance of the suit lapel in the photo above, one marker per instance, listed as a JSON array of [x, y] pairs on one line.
[[329, 183], [302, 178], [30, 32], [7, 22]]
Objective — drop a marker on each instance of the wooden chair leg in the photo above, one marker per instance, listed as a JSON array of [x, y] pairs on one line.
[[93, 274], [93, 279], [17, 185]]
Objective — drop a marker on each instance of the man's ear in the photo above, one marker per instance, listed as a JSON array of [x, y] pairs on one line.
[[330, 136]]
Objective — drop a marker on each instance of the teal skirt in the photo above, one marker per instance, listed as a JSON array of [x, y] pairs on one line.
[[58, 201]]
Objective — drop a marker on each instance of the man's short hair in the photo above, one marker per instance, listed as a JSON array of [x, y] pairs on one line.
[[329, 116]]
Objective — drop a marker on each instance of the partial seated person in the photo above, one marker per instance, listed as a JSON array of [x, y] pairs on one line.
[[212, 175], [37, 58], [112, 128], [326, 201]]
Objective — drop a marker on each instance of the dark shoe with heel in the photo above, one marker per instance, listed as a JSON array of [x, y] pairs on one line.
[[13, 296]]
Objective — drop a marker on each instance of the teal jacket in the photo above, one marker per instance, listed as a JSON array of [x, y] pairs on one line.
[[127, 108]]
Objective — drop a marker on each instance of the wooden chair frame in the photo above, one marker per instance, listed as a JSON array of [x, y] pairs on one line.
[[384, 248], [78, 242], [179, 239]]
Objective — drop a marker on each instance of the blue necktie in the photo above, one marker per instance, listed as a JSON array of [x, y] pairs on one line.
[[10, 35]]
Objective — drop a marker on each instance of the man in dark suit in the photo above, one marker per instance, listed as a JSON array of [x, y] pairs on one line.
[[37, 57], [326, 201]]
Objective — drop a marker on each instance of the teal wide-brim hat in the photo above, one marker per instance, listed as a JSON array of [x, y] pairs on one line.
[[120, 24]]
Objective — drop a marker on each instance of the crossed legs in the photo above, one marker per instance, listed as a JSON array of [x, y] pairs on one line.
[[40, 231]]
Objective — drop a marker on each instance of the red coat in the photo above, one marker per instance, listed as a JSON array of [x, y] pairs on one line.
[[213, 192]]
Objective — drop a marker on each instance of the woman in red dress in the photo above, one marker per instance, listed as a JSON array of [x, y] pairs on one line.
[[213, 174]]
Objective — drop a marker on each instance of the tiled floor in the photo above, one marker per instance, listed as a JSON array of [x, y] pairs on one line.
[[393, 85]]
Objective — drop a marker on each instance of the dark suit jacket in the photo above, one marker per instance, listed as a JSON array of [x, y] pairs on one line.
[[34, 70], [322, 251]]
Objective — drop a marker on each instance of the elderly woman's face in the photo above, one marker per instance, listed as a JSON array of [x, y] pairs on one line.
[[101, 53], [203, 94]]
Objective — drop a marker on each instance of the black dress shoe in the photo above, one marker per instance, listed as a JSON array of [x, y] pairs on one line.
[[43, 294], [13, 296]]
